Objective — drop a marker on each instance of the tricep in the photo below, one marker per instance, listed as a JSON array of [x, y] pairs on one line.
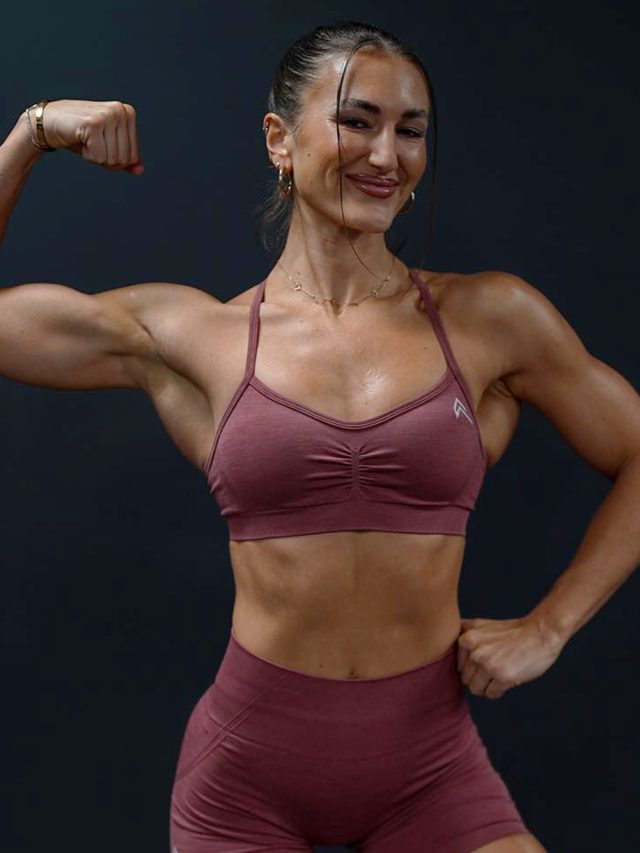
[[594, 407], [56, 337]]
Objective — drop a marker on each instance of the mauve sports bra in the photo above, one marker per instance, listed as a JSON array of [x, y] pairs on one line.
[[280, 468]]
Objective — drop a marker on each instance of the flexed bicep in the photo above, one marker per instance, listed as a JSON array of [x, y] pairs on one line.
[[56, 337]]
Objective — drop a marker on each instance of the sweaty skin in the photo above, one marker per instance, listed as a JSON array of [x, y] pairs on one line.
[[345, 604]]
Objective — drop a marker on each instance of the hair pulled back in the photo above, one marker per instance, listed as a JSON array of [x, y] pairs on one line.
[[303, 65]]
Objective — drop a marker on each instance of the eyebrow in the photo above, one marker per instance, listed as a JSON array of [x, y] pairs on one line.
[[374, 108]]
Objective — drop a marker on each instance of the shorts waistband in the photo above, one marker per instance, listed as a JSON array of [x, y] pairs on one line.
[[441, 661], [263, 696]]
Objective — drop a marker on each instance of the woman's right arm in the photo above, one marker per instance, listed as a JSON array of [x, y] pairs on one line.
[[54, 336]]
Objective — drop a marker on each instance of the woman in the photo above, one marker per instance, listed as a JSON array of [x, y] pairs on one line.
[[346, 448]]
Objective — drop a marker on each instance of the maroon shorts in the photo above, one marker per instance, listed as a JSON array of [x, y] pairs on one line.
[[276, 759]]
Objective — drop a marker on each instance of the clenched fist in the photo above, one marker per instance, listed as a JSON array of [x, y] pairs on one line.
[[102, 132]]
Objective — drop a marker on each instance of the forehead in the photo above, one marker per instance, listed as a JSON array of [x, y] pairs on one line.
[[392, 82]]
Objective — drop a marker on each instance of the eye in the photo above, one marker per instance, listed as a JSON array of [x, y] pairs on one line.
[[409, 131], [416, 134], [350, 121]]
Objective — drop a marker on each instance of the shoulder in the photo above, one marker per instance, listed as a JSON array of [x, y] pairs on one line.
[[169, 315], [533, 332], [514, 317], [146, 300], [486, 295], [170, 304], [481, 304], [245, 297]]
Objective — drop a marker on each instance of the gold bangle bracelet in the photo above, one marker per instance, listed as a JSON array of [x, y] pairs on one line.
[[42, 140]]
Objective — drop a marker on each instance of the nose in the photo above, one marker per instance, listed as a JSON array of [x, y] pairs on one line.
[[383, 150]]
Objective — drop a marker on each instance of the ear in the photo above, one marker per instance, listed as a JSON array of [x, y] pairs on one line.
[[277, 141]]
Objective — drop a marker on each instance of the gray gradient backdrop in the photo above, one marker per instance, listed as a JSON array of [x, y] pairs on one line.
[[117, 589]]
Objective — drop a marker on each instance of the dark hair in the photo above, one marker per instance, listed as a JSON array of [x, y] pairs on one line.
[[300, 67]]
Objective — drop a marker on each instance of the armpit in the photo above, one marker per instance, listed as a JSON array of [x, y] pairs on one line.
[[502, 388]]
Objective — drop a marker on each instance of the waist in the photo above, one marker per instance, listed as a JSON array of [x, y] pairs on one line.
[[348, 605]]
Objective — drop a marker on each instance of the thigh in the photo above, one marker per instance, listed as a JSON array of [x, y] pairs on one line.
[[228, 845], [467, 809], [212, 807], [522, 843]]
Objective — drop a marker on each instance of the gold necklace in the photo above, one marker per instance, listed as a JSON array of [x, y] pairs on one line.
[[297, 285]]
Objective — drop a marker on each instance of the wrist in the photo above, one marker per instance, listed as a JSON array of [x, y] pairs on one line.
[[34, 122], [25, 154], [554, 633]]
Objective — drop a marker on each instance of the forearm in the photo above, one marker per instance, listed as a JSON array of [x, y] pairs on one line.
[[607, 555], [18, 155]]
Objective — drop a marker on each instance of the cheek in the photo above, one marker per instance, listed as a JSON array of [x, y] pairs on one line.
[[352, 145], [419, 161]]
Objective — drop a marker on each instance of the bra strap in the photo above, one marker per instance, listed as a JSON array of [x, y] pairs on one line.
[[254, 327], [442, 336]]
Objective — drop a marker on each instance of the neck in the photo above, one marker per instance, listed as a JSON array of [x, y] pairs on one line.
[[323, 260]]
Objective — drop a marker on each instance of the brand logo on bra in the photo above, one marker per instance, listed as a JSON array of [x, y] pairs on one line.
[[459, 408]]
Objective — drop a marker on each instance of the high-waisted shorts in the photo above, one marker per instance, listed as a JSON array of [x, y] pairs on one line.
[[277, 759]]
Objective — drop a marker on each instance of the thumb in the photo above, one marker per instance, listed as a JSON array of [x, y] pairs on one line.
[[469, 623]]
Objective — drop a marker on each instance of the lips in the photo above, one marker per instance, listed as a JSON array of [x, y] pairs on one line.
[[377, 190], [374, 180]]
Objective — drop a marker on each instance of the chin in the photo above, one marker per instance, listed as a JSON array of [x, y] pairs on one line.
[[366, 221]]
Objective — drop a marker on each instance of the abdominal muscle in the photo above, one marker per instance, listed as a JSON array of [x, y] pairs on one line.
[[352, 604]]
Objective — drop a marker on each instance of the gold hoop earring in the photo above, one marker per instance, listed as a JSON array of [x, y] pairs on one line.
[[408, 204], [285, 181]]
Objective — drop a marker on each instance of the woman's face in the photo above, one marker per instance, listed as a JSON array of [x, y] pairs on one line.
[[386, 138]]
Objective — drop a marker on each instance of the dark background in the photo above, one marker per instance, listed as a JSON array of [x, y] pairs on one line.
[[117, 587]]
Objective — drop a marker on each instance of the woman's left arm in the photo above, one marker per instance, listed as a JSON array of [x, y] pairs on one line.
[[598, 412]]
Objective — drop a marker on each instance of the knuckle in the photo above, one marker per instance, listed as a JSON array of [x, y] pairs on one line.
[[112, 114]]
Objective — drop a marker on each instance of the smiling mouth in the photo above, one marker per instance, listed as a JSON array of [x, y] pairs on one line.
[[375, 190]]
